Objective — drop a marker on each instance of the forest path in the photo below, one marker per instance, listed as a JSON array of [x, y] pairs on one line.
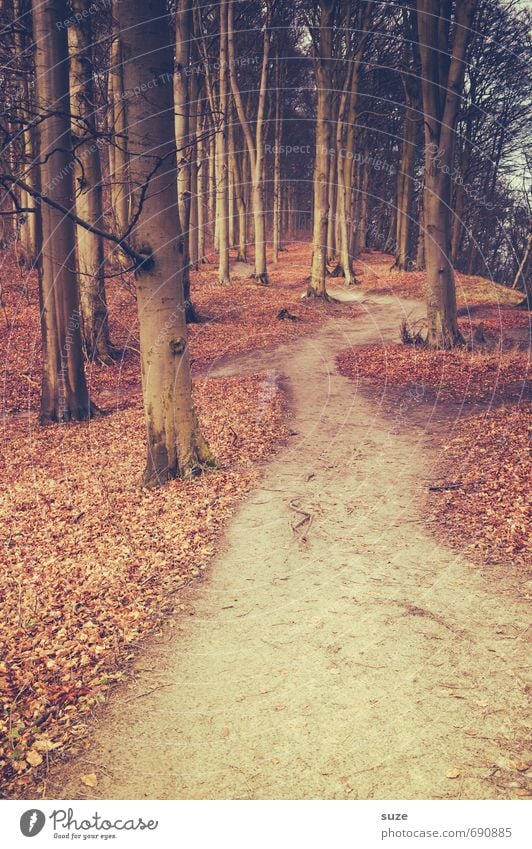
[[335, 650]]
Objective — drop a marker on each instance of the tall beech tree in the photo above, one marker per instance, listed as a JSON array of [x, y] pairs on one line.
[[405, 172], [254, 138], [119, 180], [64, 390], [322, 49], [444, 37], [184, 134], [221, 148], [176, 446], [87, 185]]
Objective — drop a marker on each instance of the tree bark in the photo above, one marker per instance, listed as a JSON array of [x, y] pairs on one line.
[[405, 188], [222, 169], [176, 446], [442, 80], [323, 54], [254, 144], [88, 187], [118, 160], [64, 390], [184, 141], [28, 229], [278, 130]]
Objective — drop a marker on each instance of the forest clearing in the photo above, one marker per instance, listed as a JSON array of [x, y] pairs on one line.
[[264, 346]]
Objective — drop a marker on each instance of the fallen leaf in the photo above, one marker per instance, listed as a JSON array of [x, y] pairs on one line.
[[90, 779], [34, 758]]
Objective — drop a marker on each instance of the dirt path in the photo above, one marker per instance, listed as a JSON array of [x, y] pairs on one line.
[[335, 650]]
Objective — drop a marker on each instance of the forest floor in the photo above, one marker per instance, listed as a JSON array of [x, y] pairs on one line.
[[333, 648]]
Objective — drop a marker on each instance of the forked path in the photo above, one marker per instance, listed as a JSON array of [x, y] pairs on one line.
[[335, 650]]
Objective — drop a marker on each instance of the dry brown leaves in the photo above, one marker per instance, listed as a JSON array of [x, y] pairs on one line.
[[457, 375], [375, 273], [488, 514]]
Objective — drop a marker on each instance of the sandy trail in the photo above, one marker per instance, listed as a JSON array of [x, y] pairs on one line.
[[335, 649]]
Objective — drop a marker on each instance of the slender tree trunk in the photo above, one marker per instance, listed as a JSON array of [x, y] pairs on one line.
[[211, 179], [118, 160], [195, 123], [405, 188], [28, 234], [277, 199], [317, 285], [88, 187], [255, 145], [222, 170], [344, 176], [231, 180], [420, 255], [64, 389], [202, 191], [331, 222], [184, 142], [362, 222], [520, 275], [175, 443], [240, 194]]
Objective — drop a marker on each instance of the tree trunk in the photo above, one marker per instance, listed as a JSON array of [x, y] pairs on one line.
[[255, 145], [405, 188], [318, 272], [277, 200], [442, 81], [28, 230], [222, 170], [175, 443], [64, 389], [184, 146], [202, 191], [420, 255], [118, 166], [526, 303], [240, 195], [88, 187]]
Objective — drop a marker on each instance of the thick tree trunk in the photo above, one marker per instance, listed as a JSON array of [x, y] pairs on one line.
[[175, 443], [442, 81], [87, 187], [64, 389]]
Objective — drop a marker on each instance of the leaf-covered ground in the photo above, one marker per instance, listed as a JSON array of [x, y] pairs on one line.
[[459, 375], [375, 273], [487, 512]]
